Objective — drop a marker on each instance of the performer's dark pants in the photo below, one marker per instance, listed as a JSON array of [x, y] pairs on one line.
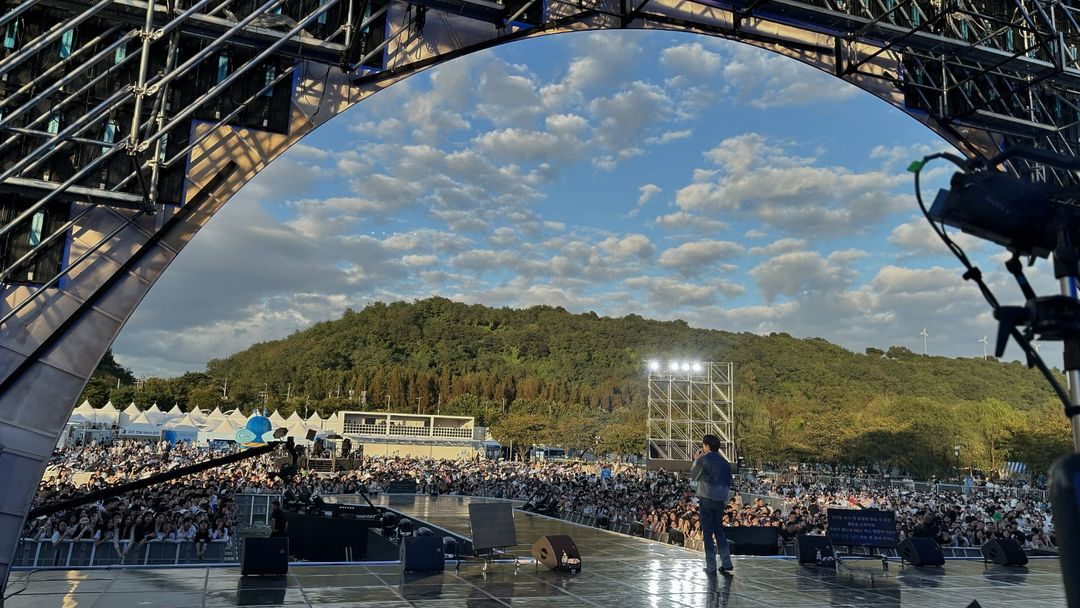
[[711, 513]]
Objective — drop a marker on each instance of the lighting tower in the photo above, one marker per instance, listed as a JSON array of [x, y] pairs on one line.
[[686, 400]]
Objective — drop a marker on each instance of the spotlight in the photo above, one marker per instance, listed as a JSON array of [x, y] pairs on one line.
[[674, 366], [697, 366], [654, 366], [685, 366]]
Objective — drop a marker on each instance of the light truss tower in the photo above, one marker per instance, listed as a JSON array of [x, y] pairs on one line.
[[688, 400]]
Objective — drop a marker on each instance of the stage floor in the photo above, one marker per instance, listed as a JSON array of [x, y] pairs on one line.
[[618, 572]]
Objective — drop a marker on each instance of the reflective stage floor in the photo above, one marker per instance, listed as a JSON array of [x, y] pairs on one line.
[[618, 572]]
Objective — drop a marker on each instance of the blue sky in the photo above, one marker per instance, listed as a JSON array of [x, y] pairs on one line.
[[667, 175]]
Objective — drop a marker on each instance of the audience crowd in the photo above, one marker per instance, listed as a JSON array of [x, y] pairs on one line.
[[200, 507]]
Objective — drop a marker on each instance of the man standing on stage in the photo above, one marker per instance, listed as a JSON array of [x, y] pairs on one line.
[[279, 522], [713, 475]]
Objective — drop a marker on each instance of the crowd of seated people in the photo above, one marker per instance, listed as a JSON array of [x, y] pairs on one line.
[[201, 507]]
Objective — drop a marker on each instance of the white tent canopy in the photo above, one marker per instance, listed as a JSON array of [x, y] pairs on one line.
[[314, 421], [176, 412], [140, 427], [238, 417], [187, 420], [155, 416], [216, 415], [277, 420], [108, 414], [130, 413], [225, 430]]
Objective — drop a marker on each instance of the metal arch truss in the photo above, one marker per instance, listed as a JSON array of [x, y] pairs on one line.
[[126, 124], [686, 405]]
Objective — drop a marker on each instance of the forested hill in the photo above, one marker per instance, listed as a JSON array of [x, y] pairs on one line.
[[436, 346], [545, 375]]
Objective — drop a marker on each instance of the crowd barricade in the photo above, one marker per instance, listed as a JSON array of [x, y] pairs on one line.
[[84, 553], [254, 509], [787, 549]]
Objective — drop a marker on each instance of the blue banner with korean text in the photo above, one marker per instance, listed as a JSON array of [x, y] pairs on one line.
[[863, 528]]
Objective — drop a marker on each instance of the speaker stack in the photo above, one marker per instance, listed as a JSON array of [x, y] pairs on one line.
[[919, 551], [557, 552], [1004, 552]]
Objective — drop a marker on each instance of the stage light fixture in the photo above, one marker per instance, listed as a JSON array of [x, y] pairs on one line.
[[654, 366], [685, 366], [674, 366], [697, 366]]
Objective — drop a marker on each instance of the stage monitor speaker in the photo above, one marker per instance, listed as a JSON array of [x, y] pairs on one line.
[[1004, 552], [266, 556], [557, 552], [807, 547], [921, 551], [422, 554]]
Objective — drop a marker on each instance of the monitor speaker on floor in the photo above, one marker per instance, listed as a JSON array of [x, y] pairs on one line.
[[919, 551], [422, 554], [557, 552], [807, 548], [1004, 552], [265, 556]]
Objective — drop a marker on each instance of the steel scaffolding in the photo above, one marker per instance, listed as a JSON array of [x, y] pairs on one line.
[[687, 401], [125, 125]]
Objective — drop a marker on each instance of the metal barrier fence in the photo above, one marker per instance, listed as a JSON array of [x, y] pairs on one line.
[[788, 548], [919, 486], [80, 553], [254, 509]]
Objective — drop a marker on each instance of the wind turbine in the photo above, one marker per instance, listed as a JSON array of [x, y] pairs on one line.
[[985, 342], [924, 335]]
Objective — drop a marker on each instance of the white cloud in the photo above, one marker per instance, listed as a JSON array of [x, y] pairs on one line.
[[692, 59], [766, 80], [795, 273], [696, 256], [779, 246], [669, 137], [759, 178], [632, 245]]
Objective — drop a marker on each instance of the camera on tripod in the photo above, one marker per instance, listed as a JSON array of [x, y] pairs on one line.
[[1030, 220]]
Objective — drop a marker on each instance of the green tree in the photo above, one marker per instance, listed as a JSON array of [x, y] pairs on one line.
[[623, 439], [577, 433], [524, 430]]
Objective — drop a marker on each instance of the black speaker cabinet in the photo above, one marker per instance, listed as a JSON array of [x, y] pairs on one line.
[[557, 552], [1004, 552], [422, 554], [807, 546], [919, 551], [266, 556]]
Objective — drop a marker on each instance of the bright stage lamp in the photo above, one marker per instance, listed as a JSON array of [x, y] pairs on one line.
[[685, 366], [674, 366], [654, 365], [697, 367]]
